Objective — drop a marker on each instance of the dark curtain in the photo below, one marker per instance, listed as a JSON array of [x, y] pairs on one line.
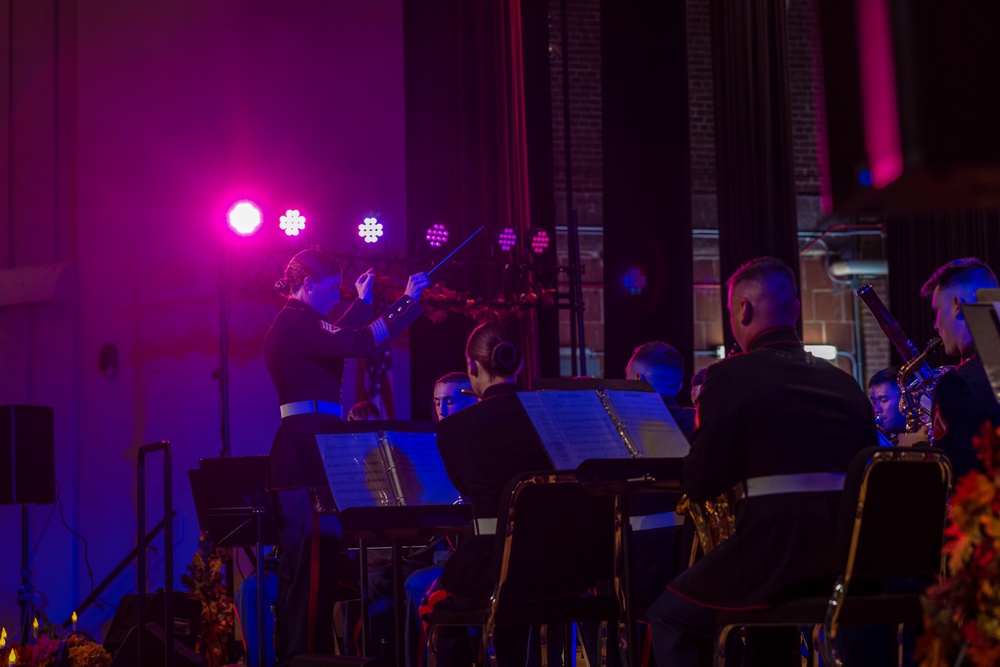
[[648, 266], [753, 141], [917, 245], [467, 165]]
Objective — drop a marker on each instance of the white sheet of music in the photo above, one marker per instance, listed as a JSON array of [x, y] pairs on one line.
[[574, 426], [420, 469], [356, 470], [650, 423]]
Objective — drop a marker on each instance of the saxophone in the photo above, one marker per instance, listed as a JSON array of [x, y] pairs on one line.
[[714, 520]]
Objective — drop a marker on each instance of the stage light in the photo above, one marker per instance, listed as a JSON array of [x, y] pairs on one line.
[[507, 239], [437, 235], [244, 218], [292, 222], [370, 230], [865, 178], [540, 242], [634, 281]]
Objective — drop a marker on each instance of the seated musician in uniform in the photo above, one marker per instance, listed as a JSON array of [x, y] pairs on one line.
[[660, 551], [784, 425], [452, 393], [885, 396], [483, 447], [697, 383], [963, 398]]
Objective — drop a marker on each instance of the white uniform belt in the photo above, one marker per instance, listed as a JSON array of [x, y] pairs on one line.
[[661, 520], [809, 482], [486, 526], [305, 407]]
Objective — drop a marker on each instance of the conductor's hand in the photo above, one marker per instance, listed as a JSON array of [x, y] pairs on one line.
[[364, 285], [416, 285]]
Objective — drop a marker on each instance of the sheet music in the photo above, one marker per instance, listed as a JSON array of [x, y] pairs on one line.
[[650, 423], [419, 468], [573, 426], [356, 470]]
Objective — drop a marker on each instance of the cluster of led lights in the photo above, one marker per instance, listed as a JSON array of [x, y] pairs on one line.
[[507, 239], [245, 219], [540, 242], [437, 235], [370, 230]]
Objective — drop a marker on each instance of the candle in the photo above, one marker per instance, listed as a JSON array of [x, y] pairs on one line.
[[34, 628], [3, 639], [13, 658], [73, 618]]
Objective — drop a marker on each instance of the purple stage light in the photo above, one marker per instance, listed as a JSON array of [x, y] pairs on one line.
[[292, 222], [437, 235], [507, 239], [244, 218], [540, 242], [370, 230], [634, 281]]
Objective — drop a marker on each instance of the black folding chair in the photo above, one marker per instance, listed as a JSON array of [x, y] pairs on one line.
[[554, 543], [891, 528]]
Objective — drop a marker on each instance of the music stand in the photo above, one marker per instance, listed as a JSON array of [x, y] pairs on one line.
[[983, 319], [234, 506]]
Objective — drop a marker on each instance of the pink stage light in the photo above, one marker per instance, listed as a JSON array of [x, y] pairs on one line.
[[293, 222], [370, 230], [507, 239], [540, 242], [244, 218], [437, 235]]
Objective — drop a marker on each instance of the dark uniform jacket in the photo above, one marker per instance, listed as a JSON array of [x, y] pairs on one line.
[[963, 400], [774, 410], [305, 358], [483, 447]]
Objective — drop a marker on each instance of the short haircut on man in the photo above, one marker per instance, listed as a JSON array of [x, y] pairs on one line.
[[969, 273], [453, 378], [661, 361], [887, 375], [761, 270]]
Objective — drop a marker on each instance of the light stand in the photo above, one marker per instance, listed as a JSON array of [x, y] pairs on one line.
[[25, 594]]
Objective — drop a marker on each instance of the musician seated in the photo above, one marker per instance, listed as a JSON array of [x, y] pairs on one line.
[[885, 397], [483, 447], [660, 549], [784, 425]]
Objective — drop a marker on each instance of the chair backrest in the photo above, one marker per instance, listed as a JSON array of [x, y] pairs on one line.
[[893, 512], [555, 540]]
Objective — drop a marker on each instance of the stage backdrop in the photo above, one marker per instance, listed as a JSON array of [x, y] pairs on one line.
[[131, 127]]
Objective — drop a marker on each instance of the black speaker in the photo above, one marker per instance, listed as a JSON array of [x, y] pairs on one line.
[[154, 650], [27, 455], [911, 105]]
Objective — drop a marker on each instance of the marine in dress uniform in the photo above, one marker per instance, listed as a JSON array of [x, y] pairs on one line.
[[963, 398], [785, 425], [305, 355]]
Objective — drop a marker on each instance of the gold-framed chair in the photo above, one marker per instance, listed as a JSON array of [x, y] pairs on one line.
[[891, 528]]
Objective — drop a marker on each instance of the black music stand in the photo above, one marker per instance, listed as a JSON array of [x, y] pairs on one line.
[[984, 324], [234, 506]]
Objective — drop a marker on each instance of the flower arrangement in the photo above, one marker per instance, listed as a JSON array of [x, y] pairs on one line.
[[962, 611], [75, 650], [206, 579]]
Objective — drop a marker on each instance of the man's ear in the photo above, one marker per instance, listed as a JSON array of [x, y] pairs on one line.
[[308, 283], [746, 312], [472, 367], [958, 301]]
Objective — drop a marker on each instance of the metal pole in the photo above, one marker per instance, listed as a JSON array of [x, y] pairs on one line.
[[224, 350]]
